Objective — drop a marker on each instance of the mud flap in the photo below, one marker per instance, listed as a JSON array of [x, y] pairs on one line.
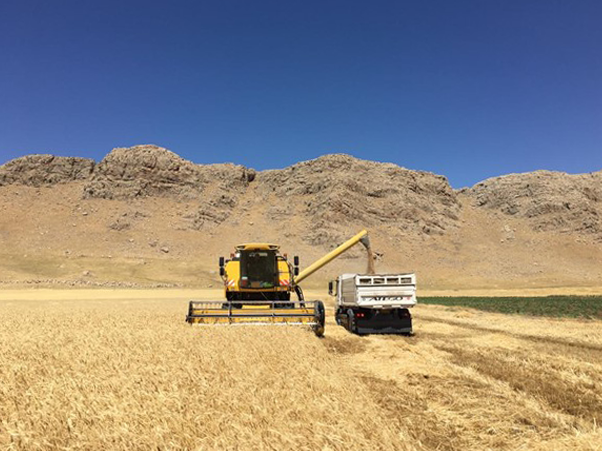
[[366, 321], [385, 322]]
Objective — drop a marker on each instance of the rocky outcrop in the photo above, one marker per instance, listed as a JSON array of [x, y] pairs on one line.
[[325, 197], [43, 170], [553, 201], [151, 171], [144, 171], [335, 190]]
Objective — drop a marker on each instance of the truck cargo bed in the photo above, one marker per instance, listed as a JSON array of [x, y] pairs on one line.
[[377, 291]]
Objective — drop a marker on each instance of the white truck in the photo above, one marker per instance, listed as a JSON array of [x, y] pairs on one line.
[[374, 304]]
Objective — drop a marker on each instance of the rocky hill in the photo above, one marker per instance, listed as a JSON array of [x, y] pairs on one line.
[[333, 191], [145, 171], [552, 201], [330, 192], [145, 215], [151, 171], [40, 170]]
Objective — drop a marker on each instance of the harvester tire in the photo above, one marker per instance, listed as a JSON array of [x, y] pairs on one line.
[[320, 316]]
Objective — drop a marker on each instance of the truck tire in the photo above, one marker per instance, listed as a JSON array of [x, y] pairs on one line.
[[337, 312], [351, 324]]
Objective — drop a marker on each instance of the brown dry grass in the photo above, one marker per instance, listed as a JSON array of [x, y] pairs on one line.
[[51, 234], [83, 370]]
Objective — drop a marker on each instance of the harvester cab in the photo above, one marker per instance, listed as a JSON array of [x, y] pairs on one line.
[[257, 271], [258, 283]]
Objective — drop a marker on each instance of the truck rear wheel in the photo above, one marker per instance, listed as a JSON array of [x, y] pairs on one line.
[[351, 324]]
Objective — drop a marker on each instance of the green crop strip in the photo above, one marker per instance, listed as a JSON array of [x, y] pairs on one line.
[[555, 306]]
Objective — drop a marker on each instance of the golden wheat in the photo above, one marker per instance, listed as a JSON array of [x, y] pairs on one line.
[[121, 370]]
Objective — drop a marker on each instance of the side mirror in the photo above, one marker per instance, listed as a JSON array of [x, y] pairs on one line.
[[222, 270], [296, 260], [330, 287]]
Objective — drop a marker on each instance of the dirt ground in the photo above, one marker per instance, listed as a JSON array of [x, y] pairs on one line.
[[120, 369]]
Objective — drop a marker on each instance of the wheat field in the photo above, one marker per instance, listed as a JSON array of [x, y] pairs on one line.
[[121, 370]]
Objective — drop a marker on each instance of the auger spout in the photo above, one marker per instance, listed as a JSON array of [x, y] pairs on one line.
[[360, 237]]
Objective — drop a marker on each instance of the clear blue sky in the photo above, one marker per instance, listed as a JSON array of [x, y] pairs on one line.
[[468, 89]]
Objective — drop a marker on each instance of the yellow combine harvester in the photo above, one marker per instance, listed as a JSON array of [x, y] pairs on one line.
[[258, 283]]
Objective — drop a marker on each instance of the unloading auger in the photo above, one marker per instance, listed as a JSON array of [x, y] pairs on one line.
[[258, 283]]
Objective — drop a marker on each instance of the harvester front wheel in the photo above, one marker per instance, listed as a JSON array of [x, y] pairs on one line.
[[320, 317]]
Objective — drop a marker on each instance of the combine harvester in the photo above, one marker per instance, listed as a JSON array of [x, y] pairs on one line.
[[374, 303], [258, 283]]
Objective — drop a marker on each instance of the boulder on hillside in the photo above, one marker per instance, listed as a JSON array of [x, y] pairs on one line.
[[40, 170]]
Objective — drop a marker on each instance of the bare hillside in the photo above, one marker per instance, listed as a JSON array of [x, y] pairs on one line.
[[146, 171], [335, 190], [40, 170], [151, 171], [145, 216], [552, 201]]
